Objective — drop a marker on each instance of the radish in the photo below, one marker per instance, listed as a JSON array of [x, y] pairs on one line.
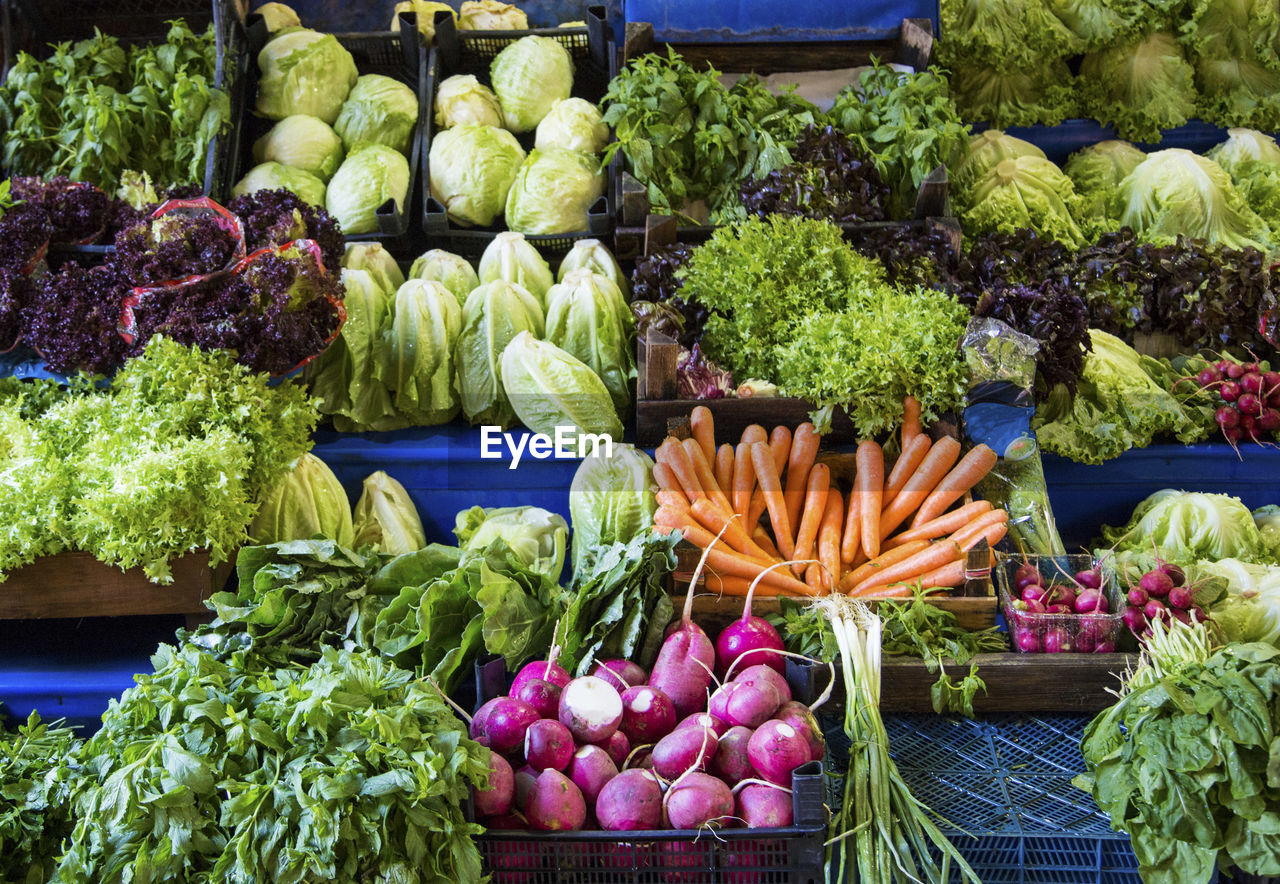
[[749, 704], [1088, 601], [629, 802], [765, 806], [556, 804], [1027, 571], [1033, 593], [1060, 595], [477, 729], [1028, 580], [548, 744], [1061, 608], [648, 714], [705, 719], [1026, 640], [697, 800], [506, 822], [524, 780], [1138, 596], [749, 640], [622, 674], [590, 768], [1135, 620], [801, 717], [1181, 597], [1107, 646], [1234, 370], [1090, 579], [731, 763], [684, 749], [1156, 583], [590, 708], [776, 749], [1269, 420], [1176, 574], [506, 723], [1249, 404], [542, 695], [618, 747], [768, 674], [1227, 417], [683, 668], [1251, 382], [1057, 641], [1180, 615], [543, 669], [1229, 391], [496, 799]]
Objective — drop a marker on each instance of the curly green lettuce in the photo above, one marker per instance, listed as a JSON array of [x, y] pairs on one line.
[[1139, 87], [1242, 29], [1238, 91], [1028, 191], [1099, 23], [1014, 95], [1014, 31]]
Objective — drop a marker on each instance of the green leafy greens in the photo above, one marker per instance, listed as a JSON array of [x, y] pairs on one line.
[[38, 768]]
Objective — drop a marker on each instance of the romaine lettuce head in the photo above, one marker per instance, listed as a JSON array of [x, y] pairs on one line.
[[386, 518], [375, 259], [1025, 192], [304, 72], [452, 271], [426, 11], [573, 124], [593, 255], [986, 151], [1096, 171], [554, 191], [366, 179], [491, 15], [1014, 96], [513, 258], [529, 76], [462, 100], [588, 318], [1243, 145], [1238, 91], [306, 501], [1187, 525], [303, 142], [277, 16], [272, 176], [1139, 87], [494, 313], [342, 376], [378, 110], [418, 363], [550, 389], [1175, 192], [611, 500], [472, 168]]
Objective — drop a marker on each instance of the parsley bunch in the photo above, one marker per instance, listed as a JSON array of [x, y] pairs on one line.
[[38, 769]]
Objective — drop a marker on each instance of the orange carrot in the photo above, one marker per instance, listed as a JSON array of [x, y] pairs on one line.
[[813, 577], [673, 519], [898, 591], [724, 467], [780, 443], [829, 539], [868, 485], [941, 457], [968, 536], [910, 420], [815, 504], [950, 574], [736, 586], [666, 477], [715, 520], [704, 431], [767, 475], [963, 476], [673, 454], [744, 481], [941, 526], [735, 565], [851, 541], [667, 497], [765, 542], [804, 450], [933, 557], [755, 433], [757, 505], [706, 476], [907, 463], [884, 560]]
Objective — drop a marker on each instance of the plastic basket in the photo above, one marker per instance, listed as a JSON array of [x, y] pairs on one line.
[[401, 56], [470, 52], [1092, 628]]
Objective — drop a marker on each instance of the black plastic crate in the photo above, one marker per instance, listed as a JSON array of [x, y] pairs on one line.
[[470, 52], [401, 55]]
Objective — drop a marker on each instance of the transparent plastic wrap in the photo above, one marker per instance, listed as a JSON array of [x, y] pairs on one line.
[[1002, 370]]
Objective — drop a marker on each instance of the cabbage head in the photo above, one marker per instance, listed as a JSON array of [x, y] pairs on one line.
[[1139, 87], [1175, 192], [513, 258], [494, 313], [426, 11], [1017, 32], [308, 500], [1096, 173], [550, 389], [277, 16], [529, 76], [1242, 29], [588, 318], [1025, 192], [554, 192], [573, 124], [366, 179], [593, 255], [302, 142], [491, 15], [386, 518], [372, 257], [538, 537], [452, 271], [418, 357], [378, 110], [986, 151], [1184, 526], [304, 72], [1250, 612], [462, 100], [273, 176], [472, 169], [611, 500]]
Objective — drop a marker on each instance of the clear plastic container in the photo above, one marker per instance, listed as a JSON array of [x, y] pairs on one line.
[[1061, 633]]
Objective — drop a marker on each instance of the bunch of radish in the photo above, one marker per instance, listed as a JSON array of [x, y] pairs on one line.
[[1088, 629], [1250, 397], [1161, 594]]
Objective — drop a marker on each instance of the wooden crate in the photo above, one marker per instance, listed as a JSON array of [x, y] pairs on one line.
[[75, 584]]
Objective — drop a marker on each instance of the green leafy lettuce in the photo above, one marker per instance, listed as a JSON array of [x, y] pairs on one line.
[[1139, 87], [1096, 171], [1027, 191], [1185, 526], [1008, 95]]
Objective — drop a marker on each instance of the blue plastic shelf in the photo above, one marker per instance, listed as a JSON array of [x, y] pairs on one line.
[[739, 21], [1060, 141]]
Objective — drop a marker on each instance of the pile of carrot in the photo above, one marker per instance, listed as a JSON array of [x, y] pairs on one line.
[[768, 501]]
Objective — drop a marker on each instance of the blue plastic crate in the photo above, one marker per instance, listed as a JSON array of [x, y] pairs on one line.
[[1060, 141], [738, 21]]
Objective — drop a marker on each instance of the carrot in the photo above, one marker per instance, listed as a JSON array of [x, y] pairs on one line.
[[744, 481], [780, 443], [757, 505], [804, 450], [815, 504], [897, 591], [762, 539], [813, 577], [910, 420], [704, 431], [963, 476], [950, 574], [941, 526], [667, 497], [868, 485], [875, 566], [706, 476], [754, 433], [851, 541], [942, 455], [907, 463], [767, 475], [715, 520], [829, 538], [737, 586], [934, 556], [673, 454], [968, 536], [666, 477], [724, 467], [735, 565], [671, 519]]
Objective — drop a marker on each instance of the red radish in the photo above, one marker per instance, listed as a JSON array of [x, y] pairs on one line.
[[647, 714], [590, 768], [496, 799], [684, 749], [1250, 405], [731, 763], [1269, 420], [1033, 593], [1156, 583], [506, 723], [548, 744], [1061, 608], [765, 806], [1251, 382], [1180, 614], [1229, 391], [590, 708], [477, 729], [506, 822], [1176, 574], [1026, 569], [1088, 601], [1155, 609], [1234, 370], [683, 668], [749, 704], [1209, 376], [1027, 641], [1233, 434], [1199, 614], [1061, 595], [749, 640], [629, 802], [1057, 641], [1028, 580], [1090, 579], [1030, 606], [622, 674], [1135, 620], [1181, 597], [776, 749], [1138, 596], [543, 669], [800, 717], [618, 747], [1270, 381], [765, 673], [714, 723], [556, 804], [697, 800], [524, 780], [1227, 417], [544, 696]]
